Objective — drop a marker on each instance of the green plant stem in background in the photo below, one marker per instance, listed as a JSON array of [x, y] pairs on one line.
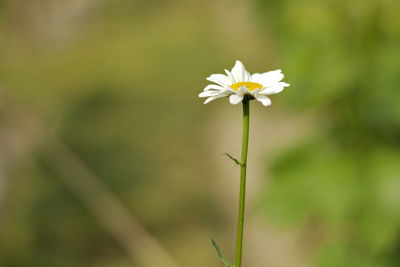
[[242, 196]]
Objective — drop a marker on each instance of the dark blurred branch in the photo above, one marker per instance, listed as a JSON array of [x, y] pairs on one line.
[[111, 213]]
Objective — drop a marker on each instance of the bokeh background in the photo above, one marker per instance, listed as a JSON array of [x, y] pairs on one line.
[[109, 159]]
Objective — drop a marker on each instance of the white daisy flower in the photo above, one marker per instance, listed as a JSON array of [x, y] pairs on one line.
[[238, 84]]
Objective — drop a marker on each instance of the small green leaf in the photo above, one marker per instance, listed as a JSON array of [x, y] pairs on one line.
[[232, 158], [219, 254]]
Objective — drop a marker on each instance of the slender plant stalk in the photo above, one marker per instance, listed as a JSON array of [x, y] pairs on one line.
[[243, 167]]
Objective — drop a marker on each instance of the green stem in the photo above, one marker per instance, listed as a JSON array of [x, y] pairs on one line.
[[243, 167]]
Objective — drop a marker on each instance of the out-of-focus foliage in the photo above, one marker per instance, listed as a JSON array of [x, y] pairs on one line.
[[343, 58]]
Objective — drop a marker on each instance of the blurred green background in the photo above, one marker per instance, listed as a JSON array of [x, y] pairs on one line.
[[108, 158]]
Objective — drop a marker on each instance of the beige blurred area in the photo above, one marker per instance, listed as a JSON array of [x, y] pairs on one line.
[[108, 158]]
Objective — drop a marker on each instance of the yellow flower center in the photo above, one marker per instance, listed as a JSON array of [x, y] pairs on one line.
[[249, 85]]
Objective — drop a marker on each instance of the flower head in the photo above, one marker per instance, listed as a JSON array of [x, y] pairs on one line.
[[238, 83]]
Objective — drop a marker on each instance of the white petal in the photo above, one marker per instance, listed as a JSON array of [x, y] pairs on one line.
[[263, 99], [268, 78], [242, 91], [208, 100], [235, 99], [217, 94], [213, 86], [220, 79], [276, 88], [209, 93], [240, 73], [230, 76], [254, 92]]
